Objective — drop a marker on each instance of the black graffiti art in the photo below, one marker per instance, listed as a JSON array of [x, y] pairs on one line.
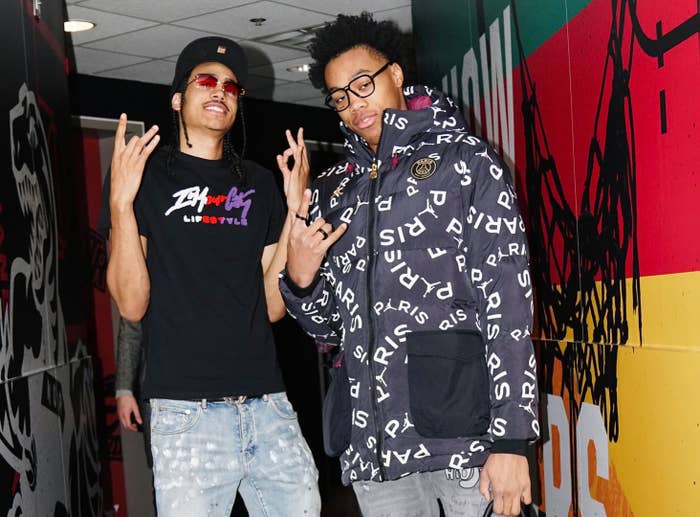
[[570, 251], [47, 410]]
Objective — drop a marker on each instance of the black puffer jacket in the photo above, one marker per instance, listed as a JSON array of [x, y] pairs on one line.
[[429, 294]]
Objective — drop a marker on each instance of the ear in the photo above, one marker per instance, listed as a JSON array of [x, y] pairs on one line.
[[396, 74], [176, 101]]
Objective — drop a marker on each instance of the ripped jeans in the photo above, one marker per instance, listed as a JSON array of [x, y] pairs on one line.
[[204, 452]]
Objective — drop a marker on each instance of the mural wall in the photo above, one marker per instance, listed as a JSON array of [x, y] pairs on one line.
[[595, 105], [48, 445], [126, 478]]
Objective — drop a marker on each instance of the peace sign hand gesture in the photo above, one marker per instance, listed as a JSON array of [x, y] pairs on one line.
[[128, 163], [308, 244]]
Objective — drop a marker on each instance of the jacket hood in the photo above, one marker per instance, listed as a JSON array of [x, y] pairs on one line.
[[429, 110]]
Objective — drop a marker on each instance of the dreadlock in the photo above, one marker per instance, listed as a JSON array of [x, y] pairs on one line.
[[347, 32], [176, 119], [229, 152]]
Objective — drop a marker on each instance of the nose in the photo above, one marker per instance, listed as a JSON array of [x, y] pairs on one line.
[[355, 101], [218, 92]]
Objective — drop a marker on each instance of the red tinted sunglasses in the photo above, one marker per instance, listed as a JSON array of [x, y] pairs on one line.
[[210, 81]]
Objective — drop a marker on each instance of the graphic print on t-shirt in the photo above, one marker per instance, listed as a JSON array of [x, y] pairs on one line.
[[237, 205]]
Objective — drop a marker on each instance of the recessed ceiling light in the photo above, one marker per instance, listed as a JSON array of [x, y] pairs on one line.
[[78, 25], [258, 21], [299, 68], [297, 39]]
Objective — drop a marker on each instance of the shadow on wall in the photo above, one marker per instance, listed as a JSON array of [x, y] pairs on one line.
[[261, 76]]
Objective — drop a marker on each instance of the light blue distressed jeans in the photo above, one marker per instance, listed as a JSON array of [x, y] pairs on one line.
[[417, 495], [204, 452]]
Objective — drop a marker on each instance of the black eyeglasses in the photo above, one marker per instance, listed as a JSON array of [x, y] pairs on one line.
[[362, 86], [210, 81]]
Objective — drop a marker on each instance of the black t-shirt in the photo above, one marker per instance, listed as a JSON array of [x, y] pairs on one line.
[[206, 331]]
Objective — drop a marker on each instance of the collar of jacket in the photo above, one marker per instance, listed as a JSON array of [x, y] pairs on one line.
[[429, 111]]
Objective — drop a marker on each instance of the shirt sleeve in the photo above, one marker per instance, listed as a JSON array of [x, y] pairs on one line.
[[129, 343], [315, 308], [498, 264]]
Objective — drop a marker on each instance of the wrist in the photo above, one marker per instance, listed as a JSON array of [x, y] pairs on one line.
[[303, 287], [120, 208], [301, 281]]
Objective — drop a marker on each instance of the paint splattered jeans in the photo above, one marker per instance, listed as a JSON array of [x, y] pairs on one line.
[[203, 452], [417, 495]]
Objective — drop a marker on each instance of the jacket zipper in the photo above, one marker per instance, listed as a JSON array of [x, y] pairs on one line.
[[370, 325]]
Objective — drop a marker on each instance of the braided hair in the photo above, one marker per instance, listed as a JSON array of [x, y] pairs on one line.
[[229, 152], [234, 159]]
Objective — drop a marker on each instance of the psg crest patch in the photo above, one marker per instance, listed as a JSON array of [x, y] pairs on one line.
[[423, 168]]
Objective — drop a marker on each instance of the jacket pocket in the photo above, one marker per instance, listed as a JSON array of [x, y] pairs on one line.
[[448, 385], [337, 412]]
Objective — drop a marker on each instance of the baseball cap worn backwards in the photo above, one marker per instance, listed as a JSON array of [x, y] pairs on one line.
[[210, 49]]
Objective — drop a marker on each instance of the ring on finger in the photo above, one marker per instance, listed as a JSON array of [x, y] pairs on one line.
[[301, 217], [323, 232]]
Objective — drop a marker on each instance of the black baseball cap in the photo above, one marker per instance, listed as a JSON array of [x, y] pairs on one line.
[[210, 49]]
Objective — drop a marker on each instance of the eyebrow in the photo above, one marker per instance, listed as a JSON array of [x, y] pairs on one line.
[[361, 71], [218, 77]]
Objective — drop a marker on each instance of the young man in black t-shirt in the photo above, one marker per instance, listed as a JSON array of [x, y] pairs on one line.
[[198, 237]]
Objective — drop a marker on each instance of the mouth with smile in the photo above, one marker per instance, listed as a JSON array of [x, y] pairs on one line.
[[217, 108], [364, 121]]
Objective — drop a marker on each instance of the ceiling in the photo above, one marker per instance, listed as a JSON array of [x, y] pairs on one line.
[[139, 40]]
